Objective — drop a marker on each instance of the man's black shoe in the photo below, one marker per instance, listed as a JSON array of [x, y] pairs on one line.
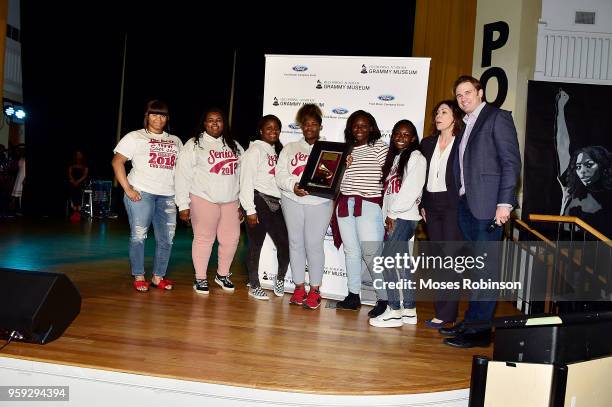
[[379, 308], [452, 331], [351, 302], [465, 340]]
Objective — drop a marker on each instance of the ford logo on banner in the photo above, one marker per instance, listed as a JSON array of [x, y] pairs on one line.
[[294, 126], [300, 68], [386, 98], [340, 110]]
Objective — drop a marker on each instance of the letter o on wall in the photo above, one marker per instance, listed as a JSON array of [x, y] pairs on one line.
[[502, 84]]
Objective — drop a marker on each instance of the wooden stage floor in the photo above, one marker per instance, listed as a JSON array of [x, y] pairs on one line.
[[221, 338]]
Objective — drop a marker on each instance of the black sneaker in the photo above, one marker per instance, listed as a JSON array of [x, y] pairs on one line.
[[379, 308], [224, 282], [351, 302], [200, 286]]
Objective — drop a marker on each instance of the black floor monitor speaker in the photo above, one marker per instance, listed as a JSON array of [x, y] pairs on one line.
[[553, 339], [37, 306]]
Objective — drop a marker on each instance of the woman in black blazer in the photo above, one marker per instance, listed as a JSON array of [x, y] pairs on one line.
[[440, 195]]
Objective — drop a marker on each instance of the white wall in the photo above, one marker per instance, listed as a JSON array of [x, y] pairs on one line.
[[14, 13], [559, 15], [101, 388], [569, 52], [516, 57]]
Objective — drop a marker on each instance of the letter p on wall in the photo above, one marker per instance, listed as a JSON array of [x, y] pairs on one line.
[[489, 44]]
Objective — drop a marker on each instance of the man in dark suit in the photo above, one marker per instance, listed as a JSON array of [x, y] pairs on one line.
[[486, 169]]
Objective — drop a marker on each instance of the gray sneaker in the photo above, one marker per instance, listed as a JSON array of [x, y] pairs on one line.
[[258, 293], [279, 287]]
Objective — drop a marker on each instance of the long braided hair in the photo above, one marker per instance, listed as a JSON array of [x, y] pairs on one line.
[[226, 134]]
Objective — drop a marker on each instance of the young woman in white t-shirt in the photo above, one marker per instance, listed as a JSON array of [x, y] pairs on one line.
[[149, 191], [404, 177], [260, 199], [307, 216], [207, 186]]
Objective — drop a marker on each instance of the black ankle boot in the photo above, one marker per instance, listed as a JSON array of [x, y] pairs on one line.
[[378, 309], [351, 302]]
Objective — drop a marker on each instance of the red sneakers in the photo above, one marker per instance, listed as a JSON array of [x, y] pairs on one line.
[[313, 301], [298, 296]]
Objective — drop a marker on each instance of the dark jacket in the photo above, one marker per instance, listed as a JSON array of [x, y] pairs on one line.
[[428, 146], [491, 163]]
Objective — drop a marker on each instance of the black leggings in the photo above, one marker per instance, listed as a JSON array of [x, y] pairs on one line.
[[271, 223]]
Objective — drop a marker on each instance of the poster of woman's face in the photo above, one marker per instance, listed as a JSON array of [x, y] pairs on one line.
[[591, 166], [568, 164], [588, 181], [587, 169]]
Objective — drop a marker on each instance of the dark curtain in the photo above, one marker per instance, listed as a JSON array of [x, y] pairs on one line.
[[72, 59]]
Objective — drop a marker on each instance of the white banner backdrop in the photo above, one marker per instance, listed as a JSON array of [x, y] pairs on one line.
[[389, 88]]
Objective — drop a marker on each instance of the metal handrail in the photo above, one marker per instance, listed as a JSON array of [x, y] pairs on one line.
[[572, 219]]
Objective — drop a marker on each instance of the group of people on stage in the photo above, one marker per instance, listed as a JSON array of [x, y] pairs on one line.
[[459, 180]]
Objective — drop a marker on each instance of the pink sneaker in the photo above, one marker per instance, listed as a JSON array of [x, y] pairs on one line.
[[313, 301], [298, 296]]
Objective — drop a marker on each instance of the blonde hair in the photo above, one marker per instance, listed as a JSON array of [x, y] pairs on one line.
[[309, 110]]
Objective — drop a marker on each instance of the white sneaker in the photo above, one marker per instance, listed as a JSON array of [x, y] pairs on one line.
[[409, 316], [391, 318], [258, 293]]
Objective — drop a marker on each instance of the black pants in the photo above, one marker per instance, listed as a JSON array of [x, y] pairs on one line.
[[271, 223], [443, 226]]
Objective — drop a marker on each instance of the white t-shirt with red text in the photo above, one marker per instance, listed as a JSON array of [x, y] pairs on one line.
[[402, 196], [257, 173], [153, 159], [208, 169], [289, 169]]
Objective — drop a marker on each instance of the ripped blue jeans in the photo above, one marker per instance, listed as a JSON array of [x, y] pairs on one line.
[[161, 211]]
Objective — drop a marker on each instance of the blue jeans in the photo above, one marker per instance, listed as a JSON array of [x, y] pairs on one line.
[[397, 244], [355, 230], [161, 211], [482, 303]]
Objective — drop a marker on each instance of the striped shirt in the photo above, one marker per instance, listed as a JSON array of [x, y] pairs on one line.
[[363, 176]]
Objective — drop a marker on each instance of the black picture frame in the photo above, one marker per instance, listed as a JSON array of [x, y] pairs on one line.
[[325, 168]]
